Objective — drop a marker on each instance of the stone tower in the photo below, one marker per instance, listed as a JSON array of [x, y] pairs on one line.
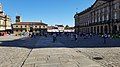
[[18, 19]]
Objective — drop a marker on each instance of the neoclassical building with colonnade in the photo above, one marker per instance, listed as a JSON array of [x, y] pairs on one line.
[[103, 17]]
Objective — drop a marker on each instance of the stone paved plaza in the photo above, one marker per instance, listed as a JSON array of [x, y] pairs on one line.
[[41, 52]]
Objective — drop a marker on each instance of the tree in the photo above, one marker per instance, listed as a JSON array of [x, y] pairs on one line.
[[66, 27]]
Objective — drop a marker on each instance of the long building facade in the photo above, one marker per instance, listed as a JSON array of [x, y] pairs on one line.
[[103, 17], [21, 28]]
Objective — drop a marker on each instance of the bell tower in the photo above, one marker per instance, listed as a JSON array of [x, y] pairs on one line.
[[18, 19]]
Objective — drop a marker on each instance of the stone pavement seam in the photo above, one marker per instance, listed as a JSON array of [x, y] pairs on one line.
[[26, 58]]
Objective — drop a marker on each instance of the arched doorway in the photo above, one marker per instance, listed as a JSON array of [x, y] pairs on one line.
[[98, 30], [91, 29], [114, 29], [88, 30], [101, 29], [94, 30], [106, 29]]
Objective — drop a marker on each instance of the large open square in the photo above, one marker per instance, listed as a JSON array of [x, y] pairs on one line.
[[40, 51], [60, 33]]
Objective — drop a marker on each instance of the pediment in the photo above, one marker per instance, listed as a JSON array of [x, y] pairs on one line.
[[98, 3]]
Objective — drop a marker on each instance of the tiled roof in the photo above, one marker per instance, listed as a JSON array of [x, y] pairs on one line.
[[29, 23]]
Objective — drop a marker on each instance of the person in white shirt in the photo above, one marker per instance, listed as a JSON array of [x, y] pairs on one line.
[[76, 36]]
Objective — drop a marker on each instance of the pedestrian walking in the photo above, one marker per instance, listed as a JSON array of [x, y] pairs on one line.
[[54, 38], [71, 35], [45, 34], [104, 39], [76, 36]]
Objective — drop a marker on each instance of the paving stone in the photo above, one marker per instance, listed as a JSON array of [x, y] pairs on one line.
[[29, 65], [58, 57], [49, 65]]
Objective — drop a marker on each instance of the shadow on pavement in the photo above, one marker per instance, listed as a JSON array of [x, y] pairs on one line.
[[30, 43], [22, 42]]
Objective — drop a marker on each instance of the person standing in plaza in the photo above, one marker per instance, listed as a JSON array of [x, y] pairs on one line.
[[76, 37], [54, 38], [104, 38]]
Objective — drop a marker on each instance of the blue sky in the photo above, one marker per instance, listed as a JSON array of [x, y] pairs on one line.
[[49, 11]]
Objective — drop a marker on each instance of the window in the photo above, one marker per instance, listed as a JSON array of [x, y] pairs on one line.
[[119, 15], [107, 17], [96, 16], [99, 14], [119, 5], [25, 26], [115, 6], [103, 10], [43, 26], [39, 26], [99, 19], [108, 9], [16, 26], [115, 15], [21, 26], [16, 30], [103, 18]]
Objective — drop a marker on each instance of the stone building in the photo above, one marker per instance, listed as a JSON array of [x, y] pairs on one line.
[[60, 29], [21, 28], [52, 29], [5, 25], [103, 17], [26, 27]]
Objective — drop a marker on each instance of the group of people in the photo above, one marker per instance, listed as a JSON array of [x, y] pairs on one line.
[[32, 34], [74, 36]]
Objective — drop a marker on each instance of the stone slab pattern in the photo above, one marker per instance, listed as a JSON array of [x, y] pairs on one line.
[[15, 56], [111, 56], [58, 57], [12, 57]]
